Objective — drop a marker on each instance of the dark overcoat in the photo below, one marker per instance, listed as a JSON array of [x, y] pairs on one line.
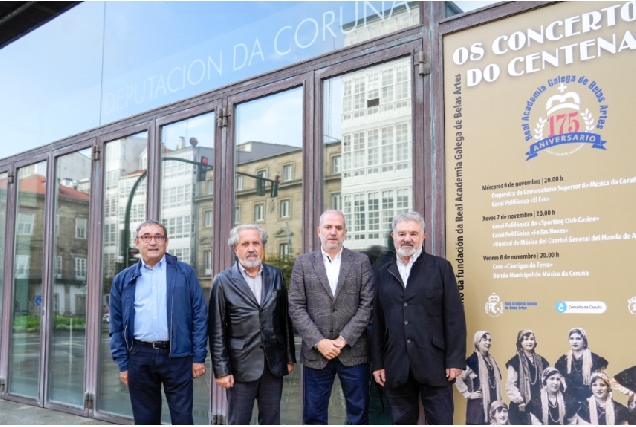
[[421, 328]]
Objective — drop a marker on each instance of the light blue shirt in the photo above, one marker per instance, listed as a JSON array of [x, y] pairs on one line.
[[151, 303]]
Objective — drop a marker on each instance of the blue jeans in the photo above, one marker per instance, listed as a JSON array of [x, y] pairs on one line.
[[147, 370], [317, 390]]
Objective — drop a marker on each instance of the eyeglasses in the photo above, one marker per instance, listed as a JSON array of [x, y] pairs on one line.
[[146, 238]]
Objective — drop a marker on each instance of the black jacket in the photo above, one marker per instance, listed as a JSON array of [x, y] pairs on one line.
[[420, 329], [240, 329]]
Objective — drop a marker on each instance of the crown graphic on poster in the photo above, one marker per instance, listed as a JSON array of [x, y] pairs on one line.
[[567, 124], [567, 100], [494, 307], [631, 305]]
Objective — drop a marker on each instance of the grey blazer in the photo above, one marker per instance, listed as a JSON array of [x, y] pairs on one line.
[[318, 314]]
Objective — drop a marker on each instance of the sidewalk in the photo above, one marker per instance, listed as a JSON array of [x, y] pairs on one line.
[[19, 413]]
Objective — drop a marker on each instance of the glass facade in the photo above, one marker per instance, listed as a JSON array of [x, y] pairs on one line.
[[106, 61]]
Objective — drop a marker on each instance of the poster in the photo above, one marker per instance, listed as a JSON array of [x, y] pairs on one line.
[[541, 191]]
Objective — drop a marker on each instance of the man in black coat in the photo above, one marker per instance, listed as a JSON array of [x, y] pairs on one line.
[[251, 335], [418, 343]]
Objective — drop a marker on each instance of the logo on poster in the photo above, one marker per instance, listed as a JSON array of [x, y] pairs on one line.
[[631, 305], [494, 307], [567, 123]]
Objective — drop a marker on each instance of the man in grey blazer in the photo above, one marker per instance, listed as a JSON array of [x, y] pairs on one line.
[[330, 303]]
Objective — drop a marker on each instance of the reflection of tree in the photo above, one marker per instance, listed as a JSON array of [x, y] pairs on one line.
[[284, 262]]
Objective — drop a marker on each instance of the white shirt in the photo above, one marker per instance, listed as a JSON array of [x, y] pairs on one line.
[[254, 282], [332, 267], [405, 269]]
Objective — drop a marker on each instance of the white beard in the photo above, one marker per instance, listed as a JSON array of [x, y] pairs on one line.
[[406, 251], [251, 264]]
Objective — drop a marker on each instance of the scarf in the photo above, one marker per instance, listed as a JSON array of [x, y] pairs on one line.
[[587, 365], [484, 381], [545, 406], [609, 411], [524, 374]]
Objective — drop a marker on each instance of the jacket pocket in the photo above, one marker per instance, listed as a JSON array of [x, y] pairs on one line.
[[439, 343], [236, 344]]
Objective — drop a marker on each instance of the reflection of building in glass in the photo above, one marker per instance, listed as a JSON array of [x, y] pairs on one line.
[[125, 201], [377, 170], [376, 126], [125, 164], [71, 242], [281, 215], [377, 23], [180, 183]]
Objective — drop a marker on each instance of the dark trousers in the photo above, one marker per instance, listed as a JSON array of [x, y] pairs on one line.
[[147, 370], [317, 390], [267, 390], [437, 402]]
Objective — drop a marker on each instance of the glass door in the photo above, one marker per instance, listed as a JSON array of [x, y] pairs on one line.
[[71, 234], [267, 136], [27, 287], [186, 209], [368, 133], [4, 185], [125, 178]]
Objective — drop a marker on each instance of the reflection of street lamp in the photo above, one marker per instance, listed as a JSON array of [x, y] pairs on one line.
[[125, 250]]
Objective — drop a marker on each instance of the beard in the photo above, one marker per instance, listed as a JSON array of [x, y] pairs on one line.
[[406, 251], [250, 264]]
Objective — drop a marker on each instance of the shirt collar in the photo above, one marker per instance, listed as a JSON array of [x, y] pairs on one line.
[[159, 264], [325, 254], [414, 257], [244, 271]]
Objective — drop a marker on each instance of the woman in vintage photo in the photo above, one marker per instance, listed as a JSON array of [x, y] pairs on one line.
[[480, 382], [578, 364], [524, 376], [600, 408], [499, 413], [550, 406], [625, 382]]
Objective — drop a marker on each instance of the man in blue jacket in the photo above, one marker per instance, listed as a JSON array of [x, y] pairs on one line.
[[158, 329]]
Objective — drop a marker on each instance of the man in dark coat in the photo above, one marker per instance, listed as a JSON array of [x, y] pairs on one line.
[[251, 335], [418, 343], [330, 297]]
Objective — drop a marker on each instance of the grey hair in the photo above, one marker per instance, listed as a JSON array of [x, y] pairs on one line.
[[409, 216], [333, 211], [151, 222], [232, 241]]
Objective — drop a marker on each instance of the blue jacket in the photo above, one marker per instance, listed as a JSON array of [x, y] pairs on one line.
[[187, 313]]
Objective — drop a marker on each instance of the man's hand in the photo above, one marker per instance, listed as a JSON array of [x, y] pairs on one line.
[[198, 370], [123, 376], [379, 376], [452, 373], [226, 381], [328, 348], [340, 343], [290, 368], [476, 395]]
